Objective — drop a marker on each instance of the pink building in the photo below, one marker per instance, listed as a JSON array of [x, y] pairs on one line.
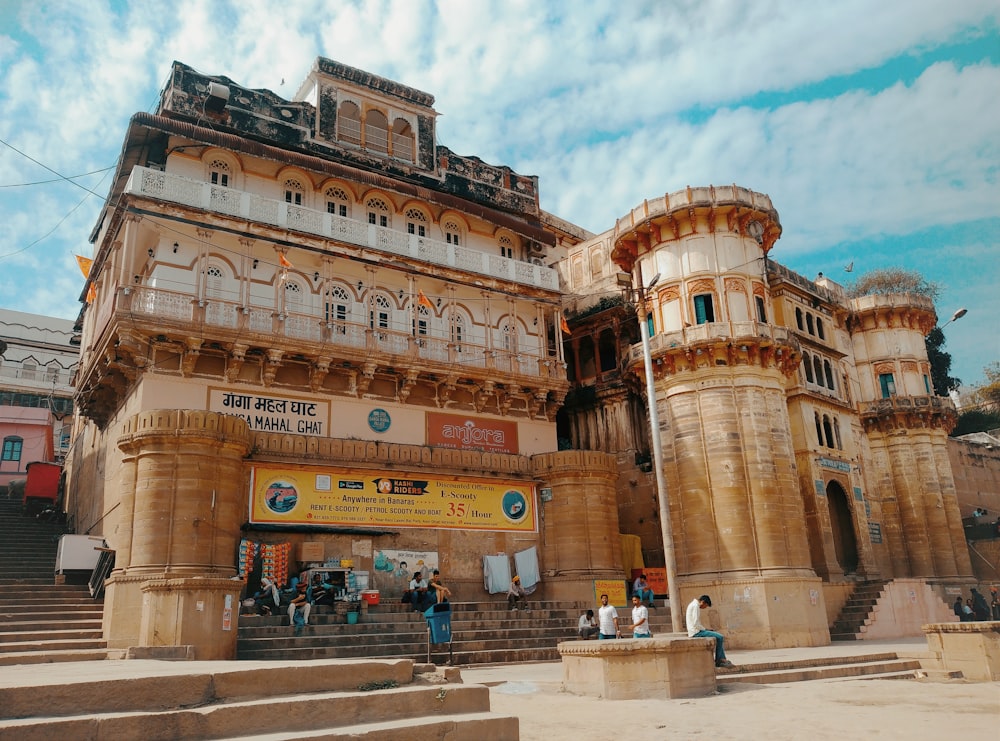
[[26, 434]]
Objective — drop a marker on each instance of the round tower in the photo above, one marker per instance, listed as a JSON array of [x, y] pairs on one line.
[[719, 368], [907, 428]]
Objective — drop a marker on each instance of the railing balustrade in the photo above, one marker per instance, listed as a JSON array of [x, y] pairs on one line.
[[231, 202], [157, 304]]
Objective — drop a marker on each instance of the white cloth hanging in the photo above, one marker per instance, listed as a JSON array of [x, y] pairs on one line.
[[526, 562], [496, 574]]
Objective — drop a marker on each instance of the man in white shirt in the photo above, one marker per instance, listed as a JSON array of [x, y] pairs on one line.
[[586, 626], [640, 619], [697, 630], [607, 620], [418, 592]]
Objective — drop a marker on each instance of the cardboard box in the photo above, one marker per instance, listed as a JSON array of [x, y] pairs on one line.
[[311, 551]]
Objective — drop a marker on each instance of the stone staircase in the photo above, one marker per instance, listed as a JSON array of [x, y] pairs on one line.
[[870, 666], [41, 621], [850, 622], [482, 633], [374, 700]]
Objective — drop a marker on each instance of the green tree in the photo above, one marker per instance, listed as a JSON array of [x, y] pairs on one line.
[[983, 412], [940, 363]]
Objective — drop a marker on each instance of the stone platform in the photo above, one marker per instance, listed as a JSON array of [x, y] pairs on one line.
[[665, 666]]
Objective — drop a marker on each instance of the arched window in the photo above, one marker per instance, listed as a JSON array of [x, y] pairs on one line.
[[376, 132], [458, 331], [52, 372], [828, 430], [214, 278], [819, 428], [807, 365], [421, 324], [508, 336], [378, 212], [836, 433], [416, 222], [219, 172], [28, 369], [380, 314], [294, 191], [452, 232], [819, 329], [336, 304], [337, 202], [818, 367], [829, 374], [294, 296], [349, 123], [798, 318], [809, 324], [402, 140]]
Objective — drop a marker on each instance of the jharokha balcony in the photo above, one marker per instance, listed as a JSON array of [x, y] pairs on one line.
[[144, 329], [720, 344]]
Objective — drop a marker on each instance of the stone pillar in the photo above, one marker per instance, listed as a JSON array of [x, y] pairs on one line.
[[580, 534], [183, 490]]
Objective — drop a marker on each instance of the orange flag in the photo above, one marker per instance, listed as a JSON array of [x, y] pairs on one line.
[[563, 325], [422, 300], [284, 261], [91, 293], [85, 263]]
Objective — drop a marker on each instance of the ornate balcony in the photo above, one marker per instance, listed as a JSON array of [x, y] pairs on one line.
[[249, 206]]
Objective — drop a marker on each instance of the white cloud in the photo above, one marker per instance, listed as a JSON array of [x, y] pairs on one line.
[[609, 103]]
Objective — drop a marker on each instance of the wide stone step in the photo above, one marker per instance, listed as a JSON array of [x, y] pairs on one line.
[[48, 644], [46, 607], [16, 658], [465, 727], [8, 637], [305, 700], [81, 624], [833, 671]]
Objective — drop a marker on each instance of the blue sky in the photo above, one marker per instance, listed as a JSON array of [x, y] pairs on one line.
[[873, 126]]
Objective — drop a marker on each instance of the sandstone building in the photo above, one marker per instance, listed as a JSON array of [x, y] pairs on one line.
[[313, 323]]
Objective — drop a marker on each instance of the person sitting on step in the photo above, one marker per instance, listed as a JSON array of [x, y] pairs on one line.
[[516, 596]]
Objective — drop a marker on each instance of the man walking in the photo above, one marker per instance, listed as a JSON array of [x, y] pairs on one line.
[[640, 619], [697, 630]]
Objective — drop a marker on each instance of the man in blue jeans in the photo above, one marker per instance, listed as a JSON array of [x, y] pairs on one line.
[[697, 630]]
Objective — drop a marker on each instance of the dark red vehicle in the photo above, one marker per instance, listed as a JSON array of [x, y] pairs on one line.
[[41, 488]]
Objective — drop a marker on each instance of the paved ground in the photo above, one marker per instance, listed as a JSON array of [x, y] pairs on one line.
[[829, 710]]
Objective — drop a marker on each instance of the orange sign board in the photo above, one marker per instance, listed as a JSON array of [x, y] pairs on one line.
[[656, 578], [471, 433]]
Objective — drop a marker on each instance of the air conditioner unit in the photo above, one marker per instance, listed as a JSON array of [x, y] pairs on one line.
[[218, 96], [537, 261], [536, 248]]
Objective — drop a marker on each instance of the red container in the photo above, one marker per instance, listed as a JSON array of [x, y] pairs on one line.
[[370, 596]]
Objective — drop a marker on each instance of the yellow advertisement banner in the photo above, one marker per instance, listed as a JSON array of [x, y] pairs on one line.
[[293, 495], [614, 588]]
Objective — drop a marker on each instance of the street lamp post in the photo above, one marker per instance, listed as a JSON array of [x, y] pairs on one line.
[[663, 501], [957, 315]]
